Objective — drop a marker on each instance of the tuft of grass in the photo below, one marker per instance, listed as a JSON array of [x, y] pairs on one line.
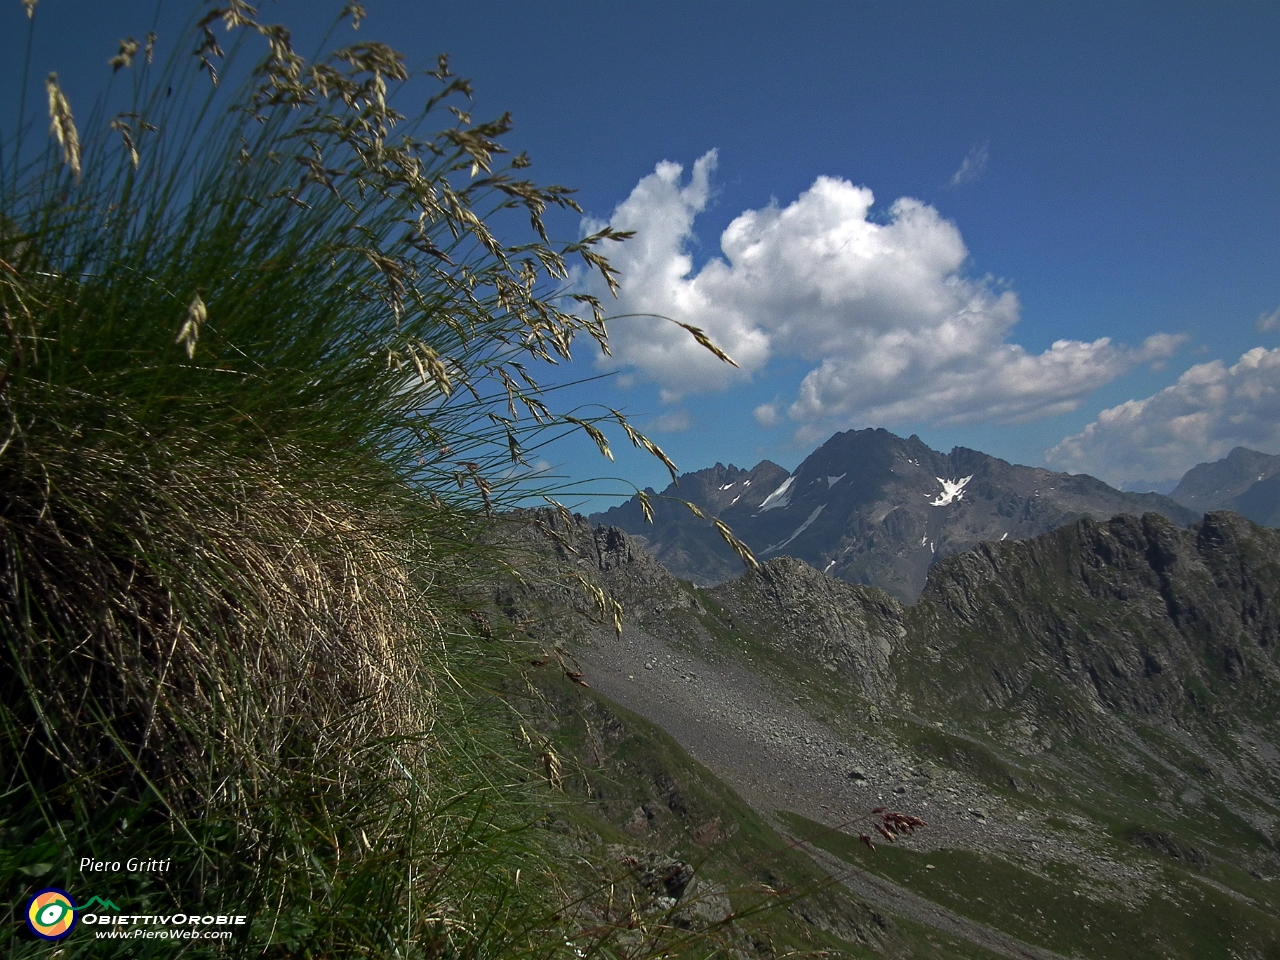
[[267, 366]]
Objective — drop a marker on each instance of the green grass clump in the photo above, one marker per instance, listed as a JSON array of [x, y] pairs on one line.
[[266, 366]]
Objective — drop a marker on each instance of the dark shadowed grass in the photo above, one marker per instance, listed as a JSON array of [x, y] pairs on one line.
[[266, 369]]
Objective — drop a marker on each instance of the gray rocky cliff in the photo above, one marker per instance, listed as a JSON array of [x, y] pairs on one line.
[[1218, 485], [1132, 617], [835, 626]]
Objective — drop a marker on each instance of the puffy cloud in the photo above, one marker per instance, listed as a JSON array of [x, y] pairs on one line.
[[971, 167], [1211, 409], [878, 304], [997, 382], [655, 271]]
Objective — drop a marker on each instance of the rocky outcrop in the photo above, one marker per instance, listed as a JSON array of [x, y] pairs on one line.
[[1136, 616], [1261, 502], [1101, 701], [835, 626], [565, 575]]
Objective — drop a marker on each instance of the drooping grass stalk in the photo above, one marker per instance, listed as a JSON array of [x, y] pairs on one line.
[[265, 367]]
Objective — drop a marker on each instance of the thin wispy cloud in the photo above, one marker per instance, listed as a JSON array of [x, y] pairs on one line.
[[1269, 321], [767, 415], [676, 421], [971, 167]]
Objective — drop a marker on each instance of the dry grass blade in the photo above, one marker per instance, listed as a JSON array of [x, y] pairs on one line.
[[594, 432], [62, 125], [238, 14], [355, 11], [605, 604], [563, 516], [696, 510], [431, 368], [124, 125], [126, 135], [639, 440]]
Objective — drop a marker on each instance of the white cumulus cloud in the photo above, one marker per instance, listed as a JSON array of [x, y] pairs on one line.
[[655, 270], [1211, 409], [877, 304]]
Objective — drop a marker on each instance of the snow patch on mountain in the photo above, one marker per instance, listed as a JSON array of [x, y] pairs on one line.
[[779, 497], [832, 481], [952, 490], [799, 530]]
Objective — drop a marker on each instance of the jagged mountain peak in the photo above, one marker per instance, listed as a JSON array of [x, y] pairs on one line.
[[871, 507]]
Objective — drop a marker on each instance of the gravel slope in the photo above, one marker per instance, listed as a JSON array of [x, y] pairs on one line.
[[755, 736]]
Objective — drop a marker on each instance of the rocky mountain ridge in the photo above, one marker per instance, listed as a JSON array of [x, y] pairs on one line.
[[1128, 620], [684, 544], [870, 507]]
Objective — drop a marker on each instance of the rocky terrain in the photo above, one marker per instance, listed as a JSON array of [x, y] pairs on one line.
[[1245, 481], [872, 508], [1087, 720]]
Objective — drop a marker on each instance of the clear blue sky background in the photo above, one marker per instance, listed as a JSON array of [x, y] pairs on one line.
[[1123, 181]]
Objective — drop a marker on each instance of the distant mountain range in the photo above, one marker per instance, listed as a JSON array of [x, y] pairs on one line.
[[1245, 481], [870, 507]]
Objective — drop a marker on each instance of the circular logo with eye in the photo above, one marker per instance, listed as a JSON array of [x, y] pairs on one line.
[[51, 914]]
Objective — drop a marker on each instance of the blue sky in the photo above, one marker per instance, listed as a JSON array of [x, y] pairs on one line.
[[921, 200]]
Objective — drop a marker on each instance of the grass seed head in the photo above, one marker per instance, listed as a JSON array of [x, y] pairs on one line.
[[197, 314], [62, 125], [128, 50]]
